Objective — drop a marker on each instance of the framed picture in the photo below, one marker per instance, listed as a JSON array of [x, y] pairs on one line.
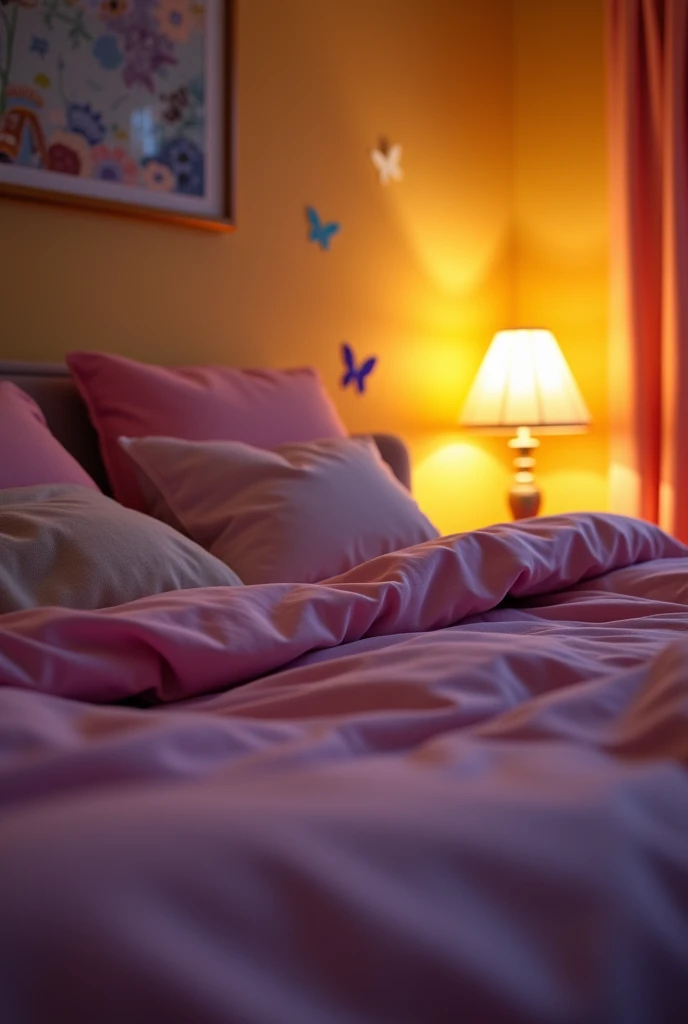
[[124, 106]]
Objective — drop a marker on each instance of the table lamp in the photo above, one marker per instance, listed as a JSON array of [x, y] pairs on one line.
[[524, 382]]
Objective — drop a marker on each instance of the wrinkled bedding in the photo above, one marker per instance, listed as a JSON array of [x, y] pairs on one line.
[[449, 785]]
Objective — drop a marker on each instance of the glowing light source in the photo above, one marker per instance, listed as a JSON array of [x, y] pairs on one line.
[[525, 382]]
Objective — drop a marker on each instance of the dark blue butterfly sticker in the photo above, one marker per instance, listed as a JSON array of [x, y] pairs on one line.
[[354, 374], [319, 232]]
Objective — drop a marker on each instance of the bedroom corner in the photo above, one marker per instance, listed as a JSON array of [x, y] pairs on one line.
[[485, 230]]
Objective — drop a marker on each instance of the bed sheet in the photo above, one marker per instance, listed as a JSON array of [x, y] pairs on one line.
[[451, 784]]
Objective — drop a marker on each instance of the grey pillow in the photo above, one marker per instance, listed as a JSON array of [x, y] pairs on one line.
[[66, 545]]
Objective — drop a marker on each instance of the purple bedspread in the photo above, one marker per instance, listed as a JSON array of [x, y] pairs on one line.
[[452, 786]]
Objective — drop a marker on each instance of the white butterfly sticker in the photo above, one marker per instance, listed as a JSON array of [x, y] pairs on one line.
[[386, 159]]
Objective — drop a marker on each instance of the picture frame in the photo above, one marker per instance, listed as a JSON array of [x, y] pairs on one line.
[[120, 106]]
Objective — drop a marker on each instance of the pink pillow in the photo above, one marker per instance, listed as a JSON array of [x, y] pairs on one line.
[[260, 407], [298, 514], [29, 453]]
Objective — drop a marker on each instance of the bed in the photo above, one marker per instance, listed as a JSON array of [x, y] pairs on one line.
[[447, 784]]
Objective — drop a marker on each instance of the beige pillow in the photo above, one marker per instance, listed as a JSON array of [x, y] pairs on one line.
[[65, 545], [299, 513]]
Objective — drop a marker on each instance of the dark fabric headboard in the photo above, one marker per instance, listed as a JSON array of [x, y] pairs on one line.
[[52, 388]]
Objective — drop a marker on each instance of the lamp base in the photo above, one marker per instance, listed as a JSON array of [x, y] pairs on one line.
[[524, 494], [524, 502]]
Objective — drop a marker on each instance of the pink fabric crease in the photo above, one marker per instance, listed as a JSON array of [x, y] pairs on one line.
[[474, 809], [183, 643]]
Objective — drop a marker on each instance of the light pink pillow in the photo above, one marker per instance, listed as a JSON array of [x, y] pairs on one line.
[[29, 453], [260, 407], [298, 514]]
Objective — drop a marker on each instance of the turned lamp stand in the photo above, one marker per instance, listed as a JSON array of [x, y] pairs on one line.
[[524, 494]]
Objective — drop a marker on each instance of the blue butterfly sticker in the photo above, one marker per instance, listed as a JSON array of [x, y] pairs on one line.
[[354, 374], [320, 232]]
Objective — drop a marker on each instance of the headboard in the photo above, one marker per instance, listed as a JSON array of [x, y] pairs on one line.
[[52, 388]]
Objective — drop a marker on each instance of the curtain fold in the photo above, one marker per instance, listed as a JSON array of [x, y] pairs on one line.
[[647, 63]]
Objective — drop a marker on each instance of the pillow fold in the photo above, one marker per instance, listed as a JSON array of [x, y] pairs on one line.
[[29, 453]]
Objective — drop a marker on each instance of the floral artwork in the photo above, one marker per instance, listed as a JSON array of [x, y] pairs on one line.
[[119, 100]]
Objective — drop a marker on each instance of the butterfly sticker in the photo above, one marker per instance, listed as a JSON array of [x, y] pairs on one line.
[[320, 232], [354, 374], [387, 160]]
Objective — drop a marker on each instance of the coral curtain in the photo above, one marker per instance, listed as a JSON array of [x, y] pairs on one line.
[[647, 61]]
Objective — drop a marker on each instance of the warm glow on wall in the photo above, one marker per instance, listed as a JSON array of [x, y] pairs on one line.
[[446, 468]]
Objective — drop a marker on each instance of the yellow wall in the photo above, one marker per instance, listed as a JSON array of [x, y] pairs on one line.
[[422, 273], [560, 219]]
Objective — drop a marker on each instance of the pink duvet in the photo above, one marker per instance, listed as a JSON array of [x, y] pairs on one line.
[[450, 785]]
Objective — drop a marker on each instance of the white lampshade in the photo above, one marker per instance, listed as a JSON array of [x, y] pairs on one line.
[[524, 381]]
